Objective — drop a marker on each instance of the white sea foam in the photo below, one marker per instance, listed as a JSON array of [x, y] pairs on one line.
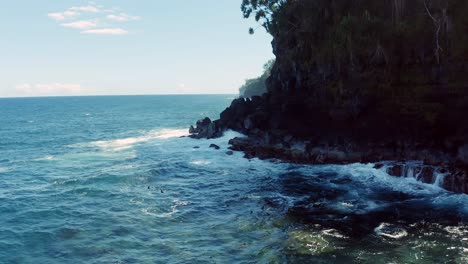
[[86, 158], [127, 167], [460, 231], [390, 231], [174, 210], [128, 143], [62, 182], [200, 162], [333, 233], [50, 157], [137, 200], [3, 169], [367, 174]]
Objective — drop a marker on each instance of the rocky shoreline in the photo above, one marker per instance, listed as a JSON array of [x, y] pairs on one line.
[[361, 83], [431, 166]]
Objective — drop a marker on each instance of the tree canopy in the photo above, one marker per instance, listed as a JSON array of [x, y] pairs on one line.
[[262, 10]]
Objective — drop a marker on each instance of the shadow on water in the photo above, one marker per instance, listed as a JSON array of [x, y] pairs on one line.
[[329, 217], [333, 201]]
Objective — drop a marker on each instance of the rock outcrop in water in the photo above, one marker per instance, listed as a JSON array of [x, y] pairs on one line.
[[362, 81], [205, 128]]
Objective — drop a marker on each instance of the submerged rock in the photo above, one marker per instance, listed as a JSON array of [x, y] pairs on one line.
[[215, 146]]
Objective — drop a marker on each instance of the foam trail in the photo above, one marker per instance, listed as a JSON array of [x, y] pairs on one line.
[[127, 143], [46, 158], [173, 211], [171, 133], [200, 162]]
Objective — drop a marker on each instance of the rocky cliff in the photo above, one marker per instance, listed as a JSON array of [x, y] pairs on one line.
[[363, 81]]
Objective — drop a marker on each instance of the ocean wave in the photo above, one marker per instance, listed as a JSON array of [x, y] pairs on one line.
[[174, 210], [200, 162], [365, 189], [83, 158], [390, 231], [46, 158], [120, 144], [368, 175], [2, 170]]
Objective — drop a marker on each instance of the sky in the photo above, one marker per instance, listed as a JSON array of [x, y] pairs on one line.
[[126, 47]]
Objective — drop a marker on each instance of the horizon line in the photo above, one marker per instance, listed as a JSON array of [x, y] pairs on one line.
[[110, 95]]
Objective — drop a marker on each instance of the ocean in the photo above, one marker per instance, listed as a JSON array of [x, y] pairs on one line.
[[114, 180]]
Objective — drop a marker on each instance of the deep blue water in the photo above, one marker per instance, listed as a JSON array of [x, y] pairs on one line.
[[111, 180]]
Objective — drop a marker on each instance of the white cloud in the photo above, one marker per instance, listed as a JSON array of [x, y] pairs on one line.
[[84, 24], [63, 15], [122, 17], [90, 8], [73, 12], [106, 31], [91, 17], [50, 89]]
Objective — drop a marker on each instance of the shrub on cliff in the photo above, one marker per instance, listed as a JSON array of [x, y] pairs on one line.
[[257, 86]]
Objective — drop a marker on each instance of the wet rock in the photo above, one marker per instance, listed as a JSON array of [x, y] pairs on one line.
[[427, 175], [336, 156], [378, 166], [205, 128], [248, 123], [230, 153], [214, 146], [287, 138], [309, 98], [298, 151], [396, 171], [457, 181], [463, 154], [240, 144]]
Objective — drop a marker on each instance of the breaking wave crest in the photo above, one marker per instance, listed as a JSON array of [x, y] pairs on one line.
[[120, 144]]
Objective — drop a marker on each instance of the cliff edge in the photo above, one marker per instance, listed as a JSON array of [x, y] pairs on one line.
[[362, 81]]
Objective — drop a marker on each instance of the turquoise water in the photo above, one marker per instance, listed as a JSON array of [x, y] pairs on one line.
[[111, 180]]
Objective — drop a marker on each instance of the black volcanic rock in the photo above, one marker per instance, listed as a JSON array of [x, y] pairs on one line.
[[205, 128], [339, 95]]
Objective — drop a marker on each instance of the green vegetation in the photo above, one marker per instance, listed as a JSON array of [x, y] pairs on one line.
[[341, 54], [262, 10], [257, 86], [364, 33]]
